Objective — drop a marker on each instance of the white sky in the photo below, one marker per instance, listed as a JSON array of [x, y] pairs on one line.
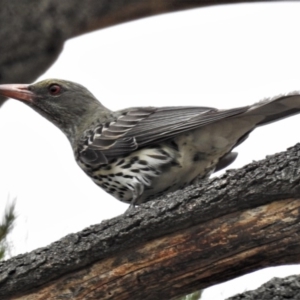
[[222, 56]]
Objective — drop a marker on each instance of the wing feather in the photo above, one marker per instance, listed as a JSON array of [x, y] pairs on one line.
[[140, 127]]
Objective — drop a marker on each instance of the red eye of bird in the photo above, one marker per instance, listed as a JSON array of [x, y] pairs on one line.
[[54, 89]]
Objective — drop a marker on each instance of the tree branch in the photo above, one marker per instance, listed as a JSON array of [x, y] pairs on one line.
[[33, 32], [277, 288], [220, 229]]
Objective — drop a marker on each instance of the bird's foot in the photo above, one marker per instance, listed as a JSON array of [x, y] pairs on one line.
[[130, 208]]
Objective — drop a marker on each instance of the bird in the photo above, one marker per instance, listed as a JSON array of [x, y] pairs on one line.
[[138, 154]]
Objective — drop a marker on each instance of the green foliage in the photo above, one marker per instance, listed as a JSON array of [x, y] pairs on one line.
[[6, 227], [193, 296]]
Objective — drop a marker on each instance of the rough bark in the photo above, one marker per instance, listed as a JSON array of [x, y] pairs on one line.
[[217, 230], [33, 32], [275, 289]]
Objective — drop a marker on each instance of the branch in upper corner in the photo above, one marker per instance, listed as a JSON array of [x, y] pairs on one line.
[[37, 30], [220, 229]]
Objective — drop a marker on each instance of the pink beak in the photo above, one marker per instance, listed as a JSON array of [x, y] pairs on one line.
[[17, 91]]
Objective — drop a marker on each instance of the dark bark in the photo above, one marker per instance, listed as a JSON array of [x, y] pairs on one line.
[[217, 230], [275, 289], [32, 33]]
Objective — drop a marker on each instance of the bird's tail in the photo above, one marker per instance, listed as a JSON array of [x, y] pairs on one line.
[[276, 108]]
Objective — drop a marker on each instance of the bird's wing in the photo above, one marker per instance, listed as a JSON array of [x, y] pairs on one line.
[[139, 127]]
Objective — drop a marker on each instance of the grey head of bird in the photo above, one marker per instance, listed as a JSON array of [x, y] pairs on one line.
[[66, 104]]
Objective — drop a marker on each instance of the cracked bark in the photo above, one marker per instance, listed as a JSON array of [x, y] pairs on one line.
[[194, 238], [275, 289]]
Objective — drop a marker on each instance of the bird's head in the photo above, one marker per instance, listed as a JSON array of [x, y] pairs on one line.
[[66, 104]]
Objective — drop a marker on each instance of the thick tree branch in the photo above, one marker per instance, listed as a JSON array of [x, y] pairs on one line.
[[33, 32], [277, 288], [243, 221]]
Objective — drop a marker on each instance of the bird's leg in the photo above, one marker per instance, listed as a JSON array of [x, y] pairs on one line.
[[133, 202], [137, 190], [130, 208]]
